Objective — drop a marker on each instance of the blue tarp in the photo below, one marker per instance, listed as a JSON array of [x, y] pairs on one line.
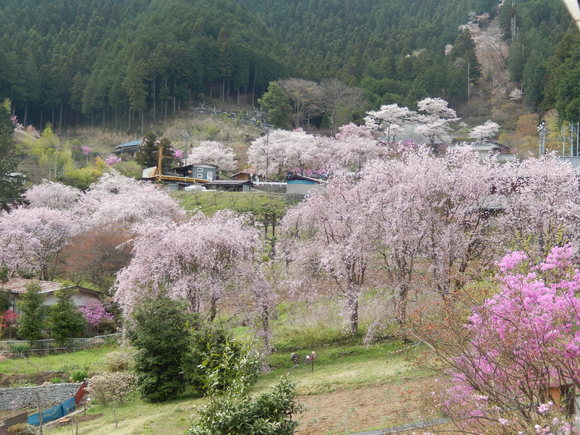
[[53, 413]]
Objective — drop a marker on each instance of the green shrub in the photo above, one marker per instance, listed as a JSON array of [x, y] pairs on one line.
[[31, 320], [65, 320], [22, 383], [56, 381], [215, 360], [119, 360], [160, 334], [20, 348], [79, 375], [112, 387], [236, 413]]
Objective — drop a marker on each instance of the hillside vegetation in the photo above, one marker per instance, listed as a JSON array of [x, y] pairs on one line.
[[115, 63]]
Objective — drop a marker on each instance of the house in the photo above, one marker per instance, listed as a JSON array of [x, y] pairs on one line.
[[17, 286], [129, 148], [301, 185], [486, 149], [200, 171], [246, 174]]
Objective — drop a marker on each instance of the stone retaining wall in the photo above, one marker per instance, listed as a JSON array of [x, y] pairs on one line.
[[33, 397]]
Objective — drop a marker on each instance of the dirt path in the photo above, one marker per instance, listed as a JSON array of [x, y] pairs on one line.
[[350, 411]]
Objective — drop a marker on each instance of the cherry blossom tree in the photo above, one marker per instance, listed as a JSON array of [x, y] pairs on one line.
[[508, 367], [435, 118], [354, 152], [53, 195], [540, 204], [200, 261], [327, 243], [118, 202], [353, 130], [282, 151], [32, 239], [483, 132], [428, 210], [213, 153], [388, 120]]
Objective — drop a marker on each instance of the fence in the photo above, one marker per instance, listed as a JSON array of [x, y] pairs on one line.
[[49, 345]]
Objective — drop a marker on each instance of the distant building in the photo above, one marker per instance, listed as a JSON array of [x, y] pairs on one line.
[[301, 185], [129, 148], [17, 286], [201, 171], [245, 174], [486, 149]]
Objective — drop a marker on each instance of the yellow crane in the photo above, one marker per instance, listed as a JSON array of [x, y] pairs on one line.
[[159, 176]]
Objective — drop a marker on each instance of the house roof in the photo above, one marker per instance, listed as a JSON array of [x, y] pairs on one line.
[[132, 145], [302, 177], [228, 182], [18, 286], [247, 171]]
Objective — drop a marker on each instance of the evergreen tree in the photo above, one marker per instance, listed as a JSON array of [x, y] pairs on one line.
[[276, 104], [65, 320], [31, 320], [464, 48], [10, 182], [147, 156], [161, 335]]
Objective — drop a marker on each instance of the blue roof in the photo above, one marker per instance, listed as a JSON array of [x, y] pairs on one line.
[[129, 144]]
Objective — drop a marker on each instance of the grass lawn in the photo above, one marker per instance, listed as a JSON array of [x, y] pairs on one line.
[[352, 386], [90, 359], [211, 201]]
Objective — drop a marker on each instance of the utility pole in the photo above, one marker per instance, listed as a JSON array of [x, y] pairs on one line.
[[542, 128], [267, 149], [468, 72]]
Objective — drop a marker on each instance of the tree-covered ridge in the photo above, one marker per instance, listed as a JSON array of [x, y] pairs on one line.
[[101, 58], [351, 40], [116, 62], [539, 32]]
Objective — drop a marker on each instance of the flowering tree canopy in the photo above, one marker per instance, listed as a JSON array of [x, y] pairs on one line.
[[326, 238], [435, 118], [199, 261], [540, 203], [31, 240], [213, 153], [281, 151], [388, 120], [53, 195], [116, 201], [483, 132]]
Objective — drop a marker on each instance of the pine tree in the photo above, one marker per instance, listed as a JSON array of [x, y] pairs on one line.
[[10, 183], [276, 104], [31, 321], [65, 320]]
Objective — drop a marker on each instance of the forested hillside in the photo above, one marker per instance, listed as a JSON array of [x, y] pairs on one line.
[[115, 62]]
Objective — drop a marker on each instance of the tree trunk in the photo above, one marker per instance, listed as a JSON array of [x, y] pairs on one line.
[[352, 306], [154, 98], [401, 304], [212, 309]]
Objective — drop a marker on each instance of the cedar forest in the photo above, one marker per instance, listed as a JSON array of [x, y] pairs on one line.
[[105, 62], [366, 219]]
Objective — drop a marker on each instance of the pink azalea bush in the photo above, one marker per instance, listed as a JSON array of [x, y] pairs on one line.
[[112, 160], [95, 313], [523, 341]]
